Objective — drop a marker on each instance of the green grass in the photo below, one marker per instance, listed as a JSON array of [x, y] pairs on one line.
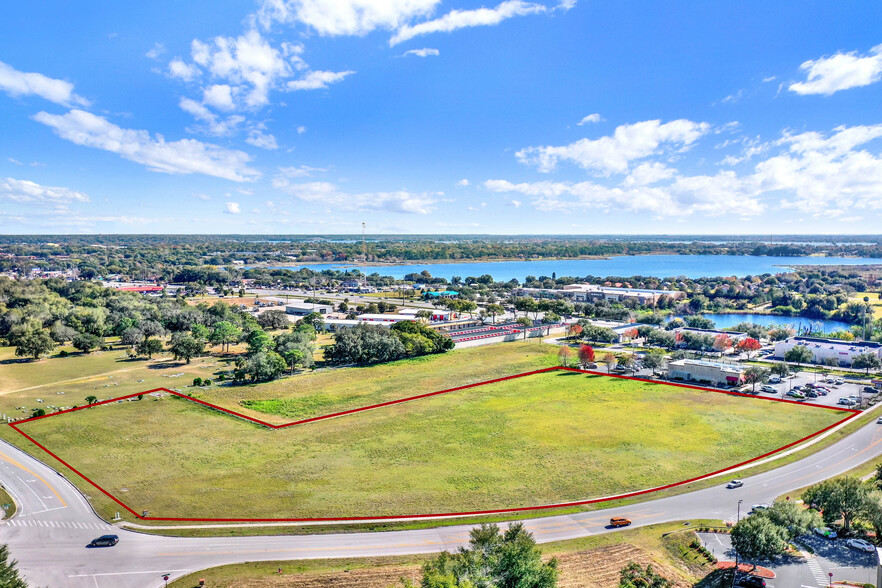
[[535, 440]]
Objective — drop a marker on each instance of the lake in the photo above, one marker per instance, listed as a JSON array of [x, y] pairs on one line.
[[797, 323], [662, 266]]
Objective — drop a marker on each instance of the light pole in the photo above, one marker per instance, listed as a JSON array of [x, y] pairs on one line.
[[866, 302], [735, 571]]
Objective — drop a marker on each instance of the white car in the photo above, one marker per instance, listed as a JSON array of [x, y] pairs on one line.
[[735, 484], [826, 532], [759, 507], [769, 389], [861, 545]]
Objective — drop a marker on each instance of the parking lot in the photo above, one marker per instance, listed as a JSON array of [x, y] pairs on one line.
[[813, 569], [835, 391]]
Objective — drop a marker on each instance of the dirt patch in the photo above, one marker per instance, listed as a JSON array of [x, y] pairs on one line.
[[594, 568]]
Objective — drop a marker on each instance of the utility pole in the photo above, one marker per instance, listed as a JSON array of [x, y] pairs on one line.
[[866, 302], [363, 259], [735, 571]]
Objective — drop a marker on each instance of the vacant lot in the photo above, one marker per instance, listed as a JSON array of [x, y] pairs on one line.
[[534, 440]]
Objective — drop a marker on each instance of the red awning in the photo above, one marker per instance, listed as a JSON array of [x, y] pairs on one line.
[[731, 378]]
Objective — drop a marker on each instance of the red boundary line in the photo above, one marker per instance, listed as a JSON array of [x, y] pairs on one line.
[[851, 415]]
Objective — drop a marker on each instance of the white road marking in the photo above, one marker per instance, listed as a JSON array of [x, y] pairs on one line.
[[32, 491], [165, 571]]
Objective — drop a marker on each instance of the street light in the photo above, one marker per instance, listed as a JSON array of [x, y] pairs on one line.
[[735, 571]]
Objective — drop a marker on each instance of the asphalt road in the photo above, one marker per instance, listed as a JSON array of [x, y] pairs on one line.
[[49, 534]]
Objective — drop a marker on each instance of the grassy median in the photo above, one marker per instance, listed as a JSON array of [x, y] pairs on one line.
[[535, 440]]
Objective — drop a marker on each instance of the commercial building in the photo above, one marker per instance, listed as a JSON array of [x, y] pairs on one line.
[[824, 349], [712, 372], [588, 292], [437, 314], [305, 308], [384, 318]]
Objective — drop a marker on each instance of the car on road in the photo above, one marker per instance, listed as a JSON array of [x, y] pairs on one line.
[[751, 582], [759, 507], [619, 522], [735, 484], [825, 532], [879, 421], [105, 541], [768, 389], [861, 545]]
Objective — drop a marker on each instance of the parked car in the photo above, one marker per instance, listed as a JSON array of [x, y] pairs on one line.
[[768, 389], [879, 421], [825, 532], [808, 385], [839, 381], [811, 394], [105, 541], [619, 522], [796, 394], [869, 390], [591, 366], [861, 545], [846, 402], [774, 380], [735, 484], [751, 582]]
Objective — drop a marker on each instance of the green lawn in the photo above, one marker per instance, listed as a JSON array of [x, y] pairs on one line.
[[535, 440]]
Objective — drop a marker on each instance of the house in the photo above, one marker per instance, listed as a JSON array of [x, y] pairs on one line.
[[696, 370], [305, 308], [823, 349]]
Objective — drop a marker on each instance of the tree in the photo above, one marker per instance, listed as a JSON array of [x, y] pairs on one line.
[[780, 369], [492, 559], [264, 366], [748, 345], [564, 354], [635, 576], [626, 360], [757, 537], [296, 349], [867, 361], [314, 319], [86, 342], [493, 310], [200, 332], [722, 343], [845, 498], [9, 577], [526, 323], [38, 412], [149, 347], [654, 359], [631, 333], [780, 334], [272, 320], [131, 336], [799, 354], [224, 333], [610, 360], [755, 374], [90, 400], [33, 342], [259, 341], [184, 346], [586, 354]]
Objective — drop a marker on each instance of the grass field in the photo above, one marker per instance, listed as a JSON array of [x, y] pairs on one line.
[[875, 302], [535, 440]]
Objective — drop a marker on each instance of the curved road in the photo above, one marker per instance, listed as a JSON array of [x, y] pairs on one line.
[[54, 523]]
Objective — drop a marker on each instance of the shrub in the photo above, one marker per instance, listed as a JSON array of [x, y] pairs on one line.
[[206, 382], [197, 381]]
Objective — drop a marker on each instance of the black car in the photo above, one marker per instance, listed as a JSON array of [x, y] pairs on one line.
[[752, 582], [105, 541]]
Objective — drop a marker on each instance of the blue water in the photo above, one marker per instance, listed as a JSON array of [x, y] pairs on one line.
[[797, 323], [662, 266]]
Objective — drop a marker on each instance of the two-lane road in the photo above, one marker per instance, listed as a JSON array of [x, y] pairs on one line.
[[49, 533]]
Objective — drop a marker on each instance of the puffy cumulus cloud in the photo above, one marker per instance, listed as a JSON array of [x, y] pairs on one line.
[[463, 182], [232, 208], [591, 118], [186, 156], [840, 71], [263, 140], [344, 17], [316, 80], [328, 193], [219, 96], [157, 50], [18, 83], [422, 52], [614, 154], [215, 125], [649, 173], [31, 193], [459, 19], [178, 68]]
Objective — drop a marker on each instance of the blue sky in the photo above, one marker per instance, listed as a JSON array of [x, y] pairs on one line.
[[429, 116]]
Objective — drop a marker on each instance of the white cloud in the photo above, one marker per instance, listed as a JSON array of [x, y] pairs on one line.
[[421, 52], [17, 83], [840, 71], [458, 19], [327, 193], [263, 140], [591, 118], [185, 156], [344, 17], [614, 154], [769, 79], [463, 182], [157, 50], [219, 96], [27, 192], [300, 172], [178, 68], [301, 129], [649, 173], [315, 80], [201, 196], [232, 208], [217, 126], [15, 161]]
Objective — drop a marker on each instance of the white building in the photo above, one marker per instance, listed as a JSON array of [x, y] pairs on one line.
[[305, 308], [586, 292], [697, 370], [822, 349], [384, 318], [438, 314]]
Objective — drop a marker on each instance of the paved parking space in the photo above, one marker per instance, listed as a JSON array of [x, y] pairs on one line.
[[848, 388], [813, 569]]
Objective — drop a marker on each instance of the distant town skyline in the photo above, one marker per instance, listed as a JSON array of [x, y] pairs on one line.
[[428, 117]]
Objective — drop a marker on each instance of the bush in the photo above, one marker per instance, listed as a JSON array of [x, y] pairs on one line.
[[197, 381], [206, 382], [63, 353], [222, 377]]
